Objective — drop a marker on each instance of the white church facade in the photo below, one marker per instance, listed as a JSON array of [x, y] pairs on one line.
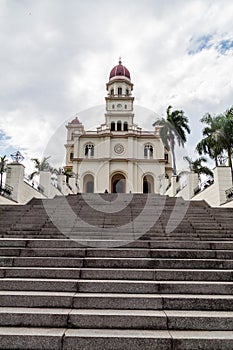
[[119, 156]]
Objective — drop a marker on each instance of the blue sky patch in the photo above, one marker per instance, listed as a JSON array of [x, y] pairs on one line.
[[205, 42], [199, 44], [4, 148], [225, 46]]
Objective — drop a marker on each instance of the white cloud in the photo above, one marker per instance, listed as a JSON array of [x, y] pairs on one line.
[[56, 57]]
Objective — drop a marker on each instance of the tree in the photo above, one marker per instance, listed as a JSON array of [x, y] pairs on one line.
[[197, 167], [173, 129], [209, 144], [61, 171], [224, 133], [218, 136], [3, 162], [42, 165]]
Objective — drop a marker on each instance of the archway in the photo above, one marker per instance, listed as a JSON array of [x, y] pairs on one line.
[[148, 184], [88, 184], [118, 183]]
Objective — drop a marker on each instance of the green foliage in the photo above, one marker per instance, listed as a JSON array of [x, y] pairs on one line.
[[197, 167], [173, 130], [40, 165], [218, 136]]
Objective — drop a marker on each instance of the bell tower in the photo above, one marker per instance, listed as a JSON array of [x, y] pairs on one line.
[[119, 100]]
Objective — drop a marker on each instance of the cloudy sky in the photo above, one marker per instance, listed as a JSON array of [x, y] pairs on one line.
[[56, 56]]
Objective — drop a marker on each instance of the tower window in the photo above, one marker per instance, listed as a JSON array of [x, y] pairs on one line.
[[148, 151], [71, 155], [89, 151], [125, 106], [113, 126], [113, 106], [112, 92], [127, 92], [119, 91], [166, 157], [119, 125], [125, 126]]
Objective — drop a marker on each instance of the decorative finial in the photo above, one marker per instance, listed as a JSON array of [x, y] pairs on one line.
[[120, 60], [17, 157]]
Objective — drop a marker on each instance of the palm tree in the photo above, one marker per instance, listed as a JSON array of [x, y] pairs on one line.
[[209, 144], [218, 136], [224, 133], [63, 171], [197, 167], [173, 129], [3, 162], [42, 165]]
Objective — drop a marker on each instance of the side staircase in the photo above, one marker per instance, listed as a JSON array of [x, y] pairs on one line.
[[116, 272]]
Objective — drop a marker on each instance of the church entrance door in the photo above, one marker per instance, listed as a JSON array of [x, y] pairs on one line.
[[148, 184], [118, 183]]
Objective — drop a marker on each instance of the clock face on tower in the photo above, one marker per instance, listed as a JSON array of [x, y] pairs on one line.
[[119, 105]]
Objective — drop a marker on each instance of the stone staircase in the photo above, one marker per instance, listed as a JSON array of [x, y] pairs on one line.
[[144, 272]]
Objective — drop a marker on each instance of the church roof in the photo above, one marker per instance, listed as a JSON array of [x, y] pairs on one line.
[[119, 70], [75, 121]]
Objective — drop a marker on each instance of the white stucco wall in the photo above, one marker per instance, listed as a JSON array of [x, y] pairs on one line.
[[6, 201], [215, 194]]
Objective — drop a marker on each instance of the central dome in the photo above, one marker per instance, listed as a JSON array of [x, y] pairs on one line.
[[119, 70]]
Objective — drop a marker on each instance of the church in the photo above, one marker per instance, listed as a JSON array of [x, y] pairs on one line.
[[119, 157]]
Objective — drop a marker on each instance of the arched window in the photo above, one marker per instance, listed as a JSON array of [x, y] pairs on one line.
[[113, 126], [88, 184], [148, 151], [125, 106], [71, 155], [119, 91], [112, 92], [113, 106], [127, 92], [89, 150], [119, 125], [125, 126]]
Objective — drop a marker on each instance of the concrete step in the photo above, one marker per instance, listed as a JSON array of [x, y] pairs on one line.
[[112, 274], [116, 319], [158, 263], [50, 299], [117, 263], [152, 287], [33, 284], [117, 286], [157, 274], [21, 338], [96, 339], [157, 244], [153, 301], [118, 253], [41, 261], [36, 299]]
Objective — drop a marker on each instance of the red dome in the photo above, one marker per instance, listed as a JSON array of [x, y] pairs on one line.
[[75, 121], [119, 70]]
